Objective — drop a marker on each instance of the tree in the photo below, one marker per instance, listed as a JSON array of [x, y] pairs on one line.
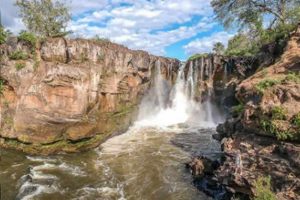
[[249, 12], [240, 45], [45, 18], [218, 48]]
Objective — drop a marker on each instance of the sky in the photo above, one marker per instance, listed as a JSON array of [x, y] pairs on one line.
[[171, 28]]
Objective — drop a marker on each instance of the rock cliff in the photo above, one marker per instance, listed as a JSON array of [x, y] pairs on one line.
[[71, 95], [265, 128]]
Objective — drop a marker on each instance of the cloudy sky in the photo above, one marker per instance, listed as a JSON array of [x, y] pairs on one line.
[[173, 28]]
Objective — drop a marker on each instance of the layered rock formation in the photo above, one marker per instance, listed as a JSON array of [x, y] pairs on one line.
[[70, 95], [265, 130]]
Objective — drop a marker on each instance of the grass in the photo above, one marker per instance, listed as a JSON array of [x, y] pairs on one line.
[[268, 83], [19, 55], [263, 189], [20, 65], [278, 113], [293, 77], [265, 84]]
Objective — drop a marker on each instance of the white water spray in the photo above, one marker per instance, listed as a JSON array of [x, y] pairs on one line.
[[166, 105]]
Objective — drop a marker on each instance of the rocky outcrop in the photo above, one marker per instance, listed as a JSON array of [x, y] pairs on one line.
[[216, 77], [71, 95], [264, 128]]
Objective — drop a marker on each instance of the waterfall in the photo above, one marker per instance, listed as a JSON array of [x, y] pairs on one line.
[[167, 104]]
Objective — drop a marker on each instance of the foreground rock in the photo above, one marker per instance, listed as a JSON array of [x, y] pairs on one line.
[[261, 157], [71, 95], [265, 129]]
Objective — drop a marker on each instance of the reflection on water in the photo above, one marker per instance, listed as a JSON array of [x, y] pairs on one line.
[[144, 163]]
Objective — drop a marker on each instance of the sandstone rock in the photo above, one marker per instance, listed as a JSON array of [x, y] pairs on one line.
[[80, 93]]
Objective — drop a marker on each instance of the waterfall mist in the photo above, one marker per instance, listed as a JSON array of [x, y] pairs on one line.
[[183, 102]]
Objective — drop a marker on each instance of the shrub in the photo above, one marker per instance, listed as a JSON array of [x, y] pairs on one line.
[[296, 120], [1, 86], [101, 39], [240, 45], [27, 37], [3, 35], [266, 83], [198, 56], [270, 127], [293, 77], [18, 55], [278, 113], [263, 189], [238, 109], [20, 65]]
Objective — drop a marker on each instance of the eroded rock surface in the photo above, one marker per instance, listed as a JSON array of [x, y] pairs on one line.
[[71, 95], [265, 128]]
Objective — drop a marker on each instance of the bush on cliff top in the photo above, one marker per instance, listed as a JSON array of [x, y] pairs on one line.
[[263, 189], [3, 35], [198, 56], [28, 37]]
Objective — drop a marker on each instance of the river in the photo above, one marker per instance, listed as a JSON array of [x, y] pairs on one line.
[[145, 163]]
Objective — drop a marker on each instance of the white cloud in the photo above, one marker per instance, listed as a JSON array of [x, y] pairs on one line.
[[205, 44], [150, 25]]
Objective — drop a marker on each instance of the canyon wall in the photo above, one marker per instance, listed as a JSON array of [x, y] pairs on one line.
[[71, 95]]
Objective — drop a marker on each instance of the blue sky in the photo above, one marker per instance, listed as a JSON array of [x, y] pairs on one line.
[[172, 28]]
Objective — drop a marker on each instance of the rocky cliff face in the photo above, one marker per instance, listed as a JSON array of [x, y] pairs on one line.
[[217, 77], [71, 95], [265, 128]]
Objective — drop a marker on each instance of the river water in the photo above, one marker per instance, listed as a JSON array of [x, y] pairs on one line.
[[145, 163]]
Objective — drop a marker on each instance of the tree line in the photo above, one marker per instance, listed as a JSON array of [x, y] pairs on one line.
[[259, 23]]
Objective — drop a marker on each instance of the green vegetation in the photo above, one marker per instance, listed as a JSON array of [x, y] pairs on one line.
[[278, 113], [45, 18], [271, 127], [27, 37], [198, 56], [18, 55], [263, 189], [240, 45], [293, 77], [219, 48], [266, 83], [238, 109], [255, 31], [97, 38], [20, 65], [3, 35], [296, 120], [1, 86]]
